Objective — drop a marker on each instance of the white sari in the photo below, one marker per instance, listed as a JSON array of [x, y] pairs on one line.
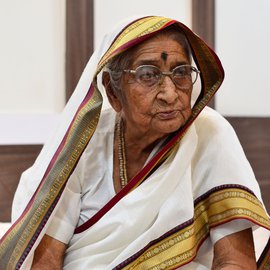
[[163, 206]]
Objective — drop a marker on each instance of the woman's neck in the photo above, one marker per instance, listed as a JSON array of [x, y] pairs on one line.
[[133, 150]]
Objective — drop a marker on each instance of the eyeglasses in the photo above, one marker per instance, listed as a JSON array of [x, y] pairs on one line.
[[183, 76]]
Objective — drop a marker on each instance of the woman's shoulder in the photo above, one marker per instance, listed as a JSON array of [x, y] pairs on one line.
[[106, 121], [211, 123], [100, 147], [217, 139], [103, 135]]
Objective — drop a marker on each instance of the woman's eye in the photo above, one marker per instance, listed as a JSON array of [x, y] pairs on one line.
[[180, 72], [147, 76]]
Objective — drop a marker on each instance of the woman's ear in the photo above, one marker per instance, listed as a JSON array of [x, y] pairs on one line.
[[112, 97]]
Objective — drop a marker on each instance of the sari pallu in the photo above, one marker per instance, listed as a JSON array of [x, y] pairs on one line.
[[185, 203], [41, 187]]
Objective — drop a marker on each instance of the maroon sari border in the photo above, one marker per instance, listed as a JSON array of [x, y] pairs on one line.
[[136, 180], [153, 242], [53, 160], [221, 187], [121, 33], [134, 42], [132, 184], [189, 222], [37, 232]]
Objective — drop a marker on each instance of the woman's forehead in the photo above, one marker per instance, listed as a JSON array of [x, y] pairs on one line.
[[160, 48]]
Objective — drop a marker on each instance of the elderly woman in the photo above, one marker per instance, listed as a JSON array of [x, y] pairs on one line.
[[163, 182]]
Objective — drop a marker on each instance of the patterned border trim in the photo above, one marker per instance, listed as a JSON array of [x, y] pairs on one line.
[[132, 34], [18, 242], [180, 245]]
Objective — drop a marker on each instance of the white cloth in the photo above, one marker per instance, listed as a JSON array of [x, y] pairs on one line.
[[90, 186], [4, 226], [150, 210]]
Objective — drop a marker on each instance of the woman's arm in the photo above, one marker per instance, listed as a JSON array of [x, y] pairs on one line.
[[235, 252], [49, 254]]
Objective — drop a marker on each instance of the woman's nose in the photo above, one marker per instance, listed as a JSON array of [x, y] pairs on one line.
[[167, 90]]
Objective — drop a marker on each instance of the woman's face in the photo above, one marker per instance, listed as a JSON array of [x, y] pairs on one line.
[[161, 110]]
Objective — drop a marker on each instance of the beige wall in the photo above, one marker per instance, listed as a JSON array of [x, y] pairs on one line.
[[32, 53], [243, 42], [108, 12]]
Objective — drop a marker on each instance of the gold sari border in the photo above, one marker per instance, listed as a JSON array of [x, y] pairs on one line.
[[133, 33], [180, 245], [18, 242]]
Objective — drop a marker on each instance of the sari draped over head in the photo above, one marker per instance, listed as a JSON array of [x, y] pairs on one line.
[[176, 244]]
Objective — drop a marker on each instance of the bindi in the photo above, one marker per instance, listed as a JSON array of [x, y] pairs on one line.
[[164, 56]]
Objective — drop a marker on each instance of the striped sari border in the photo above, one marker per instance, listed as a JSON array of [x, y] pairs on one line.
[[27, 228], [197, 229]]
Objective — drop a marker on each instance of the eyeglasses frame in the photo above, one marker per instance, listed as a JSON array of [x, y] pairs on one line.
[[164, 73]]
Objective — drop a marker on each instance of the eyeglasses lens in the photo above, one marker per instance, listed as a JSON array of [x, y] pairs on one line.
[[184, 76], [149, 76]]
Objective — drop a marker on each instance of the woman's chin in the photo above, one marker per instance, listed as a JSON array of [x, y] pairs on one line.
[[169, 125]]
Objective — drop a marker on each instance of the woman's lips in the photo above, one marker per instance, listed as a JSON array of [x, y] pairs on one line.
[[166, 115]]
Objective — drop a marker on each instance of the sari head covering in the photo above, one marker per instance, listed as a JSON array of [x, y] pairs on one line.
[[42, 185]]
